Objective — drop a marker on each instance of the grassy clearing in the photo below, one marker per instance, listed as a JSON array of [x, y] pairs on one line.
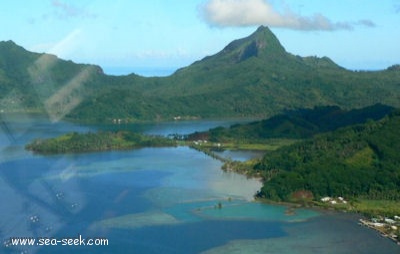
[[363, 158], [386, 208], [266, 145]]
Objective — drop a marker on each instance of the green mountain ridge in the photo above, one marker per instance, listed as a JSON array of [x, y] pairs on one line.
[[41, 82], [294, 124], [250, 77]]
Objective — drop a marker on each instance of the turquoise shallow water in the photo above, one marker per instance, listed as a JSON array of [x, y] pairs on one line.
[[154, 201], [258, 211]]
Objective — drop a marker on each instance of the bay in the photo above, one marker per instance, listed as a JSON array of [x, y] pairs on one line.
[[153, 200]]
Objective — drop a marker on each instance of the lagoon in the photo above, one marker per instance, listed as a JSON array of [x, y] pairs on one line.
[[153, 200]]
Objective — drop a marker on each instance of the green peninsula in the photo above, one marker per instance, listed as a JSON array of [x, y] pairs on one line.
[[356, 162], [320, 153], [100, 141]]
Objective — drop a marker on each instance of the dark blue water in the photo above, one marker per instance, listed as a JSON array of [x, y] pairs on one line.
[[152, 200]]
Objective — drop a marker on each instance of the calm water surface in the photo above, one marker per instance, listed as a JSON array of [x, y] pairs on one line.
[[153, 200]]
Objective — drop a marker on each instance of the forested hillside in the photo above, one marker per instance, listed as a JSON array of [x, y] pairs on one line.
[[250, 77], [100, 141], [357, 161], [294, 124]]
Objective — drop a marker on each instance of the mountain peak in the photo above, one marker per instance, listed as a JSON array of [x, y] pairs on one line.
[[265, 39], [263, 30], [262, 43]]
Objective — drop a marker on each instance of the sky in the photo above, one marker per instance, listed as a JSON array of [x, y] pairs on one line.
[[156, 37]]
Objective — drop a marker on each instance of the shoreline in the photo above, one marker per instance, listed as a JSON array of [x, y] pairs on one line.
[[371, 225], [290, 205], [362, 220], [313, 205]]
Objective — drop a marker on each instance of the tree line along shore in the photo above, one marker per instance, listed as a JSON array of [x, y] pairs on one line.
[[358, 162]]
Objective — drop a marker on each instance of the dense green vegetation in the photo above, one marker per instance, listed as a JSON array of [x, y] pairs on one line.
[[100, 141], [41, 82], [359, 161], [293, 124], [253, 76]]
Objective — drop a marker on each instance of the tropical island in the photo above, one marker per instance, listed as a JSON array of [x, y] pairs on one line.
[[343, 166], [327, 132], [100, 141], [352, 155]]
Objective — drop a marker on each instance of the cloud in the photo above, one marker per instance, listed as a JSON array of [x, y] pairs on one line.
[[65, 10], [231, 13]]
